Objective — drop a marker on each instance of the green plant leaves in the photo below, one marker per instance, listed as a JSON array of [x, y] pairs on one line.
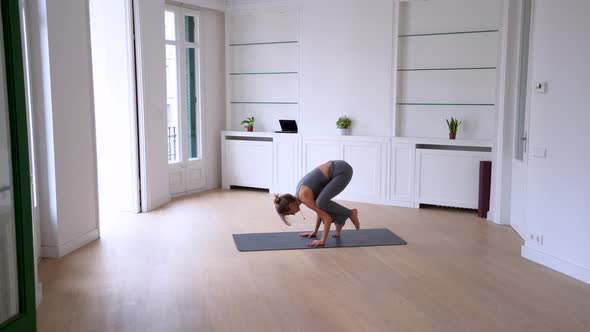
[[249, 122], [453, 125], [343, 122]]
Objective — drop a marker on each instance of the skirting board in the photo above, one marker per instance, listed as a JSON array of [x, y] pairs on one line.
[[39, 294], [69, 247], [157, 203], [556, 264]]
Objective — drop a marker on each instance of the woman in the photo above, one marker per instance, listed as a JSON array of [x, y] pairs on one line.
[[316, 190]]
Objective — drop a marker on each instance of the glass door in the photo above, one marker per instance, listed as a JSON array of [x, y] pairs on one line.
[[185, 153], [17, 276]]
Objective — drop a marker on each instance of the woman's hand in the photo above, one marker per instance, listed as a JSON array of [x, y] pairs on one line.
[[316, 243], [308, 234]]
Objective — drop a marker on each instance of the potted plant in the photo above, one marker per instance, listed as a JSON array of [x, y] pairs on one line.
[[249, 123], [453, 125], [344, 124]]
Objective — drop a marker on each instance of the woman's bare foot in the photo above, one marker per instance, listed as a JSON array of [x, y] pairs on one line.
[[338, 230], [355, 219]]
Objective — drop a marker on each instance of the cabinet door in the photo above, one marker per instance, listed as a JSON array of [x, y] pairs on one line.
[[317, 152], [248, 163], [402, 173], [448, 178], [366, 161], [285, 154]]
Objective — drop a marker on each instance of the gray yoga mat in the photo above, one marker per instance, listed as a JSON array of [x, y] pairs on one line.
[[292, 240]]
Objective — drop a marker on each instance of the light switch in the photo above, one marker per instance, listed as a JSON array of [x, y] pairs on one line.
[[539, 152], [541, 87]]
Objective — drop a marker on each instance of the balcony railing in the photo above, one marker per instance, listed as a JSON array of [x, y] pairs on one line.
[[172, 143]]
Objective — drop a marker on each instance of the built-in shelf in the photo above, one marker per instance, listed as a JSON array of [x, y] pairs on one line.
[[442, 104], [443, 141], [269, 73], [439, 69], [230, 133], [446, 33], [265, 43], [265, 102]]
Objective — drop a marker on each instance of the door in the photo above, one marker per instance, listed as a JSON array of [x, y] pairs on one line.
[[520, 159], [17, 275], [115, 109], [30, 122], [185, 153]]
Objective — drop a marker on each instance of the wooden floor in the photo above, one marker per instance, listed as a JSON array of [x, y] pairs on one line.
[[177, 269]]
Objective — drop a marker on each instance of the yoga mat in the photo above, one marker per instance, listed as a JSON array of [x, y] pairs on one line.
[[292, 240]]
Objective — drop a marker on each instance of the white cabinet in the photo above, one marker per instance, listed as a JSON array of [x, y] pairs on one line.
[[365, 155], [387, 170], [448, 178], [285, 163], [247, 162], [366, 159], [317, 152], [402, 161]]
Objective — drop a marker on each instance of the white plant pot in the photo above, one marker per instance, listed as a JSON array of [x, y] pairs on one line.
[[344, 132]]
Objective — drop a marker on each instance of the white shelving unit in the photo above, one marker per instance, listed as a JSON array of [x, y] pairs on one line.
[[262, 66], [446, 67]]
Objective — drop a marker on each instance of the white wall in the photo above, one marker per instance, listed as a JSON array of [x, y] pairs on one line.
[[212, 48], [559, 185], [346, 63], [61, 86]]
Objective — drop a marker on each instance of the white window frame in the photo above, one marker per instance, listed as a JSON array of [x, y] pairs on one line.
[[181, 46]]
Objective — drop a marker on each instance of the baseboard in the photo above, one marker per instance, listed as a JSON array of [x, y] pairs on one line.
[[196, 191], [378, 202], [39, 294], [69, 247], [557, 264], [159, 202]]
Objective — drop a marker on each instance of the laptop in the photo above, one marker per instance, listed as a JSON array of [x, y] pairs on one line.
[[288, 126]]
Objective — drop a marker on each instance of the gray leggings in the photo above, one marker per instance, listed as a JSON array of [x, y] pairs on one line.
[[340, 174]]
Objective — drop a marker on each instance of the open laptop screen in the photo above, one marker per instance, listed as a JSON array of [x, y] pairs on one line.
[[288, 126]]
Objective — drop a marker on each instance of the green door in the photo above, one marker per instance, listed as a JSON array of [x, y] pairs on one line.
[[17, 279]]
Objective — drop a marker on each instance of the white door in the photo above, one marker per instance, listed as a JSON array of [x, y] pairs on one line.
[[185, 152], [520, 158], [115, 108]]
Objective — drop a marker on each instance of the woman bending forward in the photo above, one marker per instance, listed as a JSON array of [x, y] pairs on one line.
[[316, 190]]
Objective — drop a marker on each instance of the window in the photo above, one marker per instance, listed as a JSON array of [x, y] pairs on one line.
[[182, 84]]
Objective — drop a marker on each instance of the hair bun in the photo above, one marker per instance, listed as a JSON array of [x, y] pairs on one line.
[[277, 199]]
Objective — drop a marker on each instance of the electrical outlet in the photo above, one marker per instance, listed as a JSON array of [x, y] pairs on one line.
[[536, 238]]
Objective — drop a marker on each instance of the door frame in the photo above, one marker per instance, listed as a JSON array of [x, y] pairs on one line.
[[15, 84], [520, 226]]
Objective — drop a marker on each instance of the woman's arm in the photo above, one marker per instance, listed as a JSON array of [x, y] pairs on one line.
[[322, 241], [318, 221], [306, 198]]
